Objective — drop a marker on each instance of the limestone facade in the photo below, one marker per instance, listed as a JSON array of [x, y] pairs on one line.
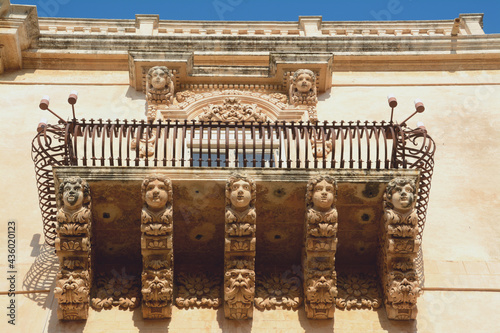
[[368, 275]]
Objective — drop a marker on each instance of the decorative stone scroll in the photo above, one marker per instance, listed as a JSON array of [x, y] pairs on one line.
[[320, 278], [303, 88], [157, 247], [74, 279], [399, 250], [232, 111], [239, 258]]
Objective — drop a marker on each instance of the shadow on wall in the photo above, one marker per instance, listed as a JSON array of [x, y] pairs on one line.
[[42, 273]]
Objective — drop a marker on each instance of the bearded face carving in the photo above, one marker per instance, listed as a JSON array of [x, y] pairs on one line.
[[157, 287], [239, 290], [320, 294], [403, 289]]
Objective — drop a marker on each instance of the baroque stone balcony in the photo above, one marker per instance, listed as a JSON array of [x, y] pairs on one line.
[[281, 160]]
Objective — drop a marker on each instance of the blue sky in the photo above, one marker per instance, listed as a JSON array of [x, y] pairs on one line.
[[269, 10]]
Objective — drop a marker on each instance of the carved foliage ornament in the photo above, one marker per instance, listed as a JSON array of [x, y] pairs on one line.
[[232, 111], [198, 291], [358, 291], [120, 290], [278, 290]]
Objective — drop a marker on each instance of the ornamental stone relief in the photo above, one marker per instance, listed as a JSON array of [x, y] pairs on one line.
[[157, 247], [278, 291], [358, 291], [232, 111], [74, 278], [119, 290], [320, 278], [399, 250], [198, 291], [303, 88], [239, 259]]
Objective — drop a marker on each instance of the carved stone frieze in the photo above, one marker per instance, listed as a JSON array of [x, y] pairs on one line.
[[157, 247], [73, 246], [198, 291], [239, 277], [320, 246], [232, 111], [278, 291], [187, 97], [399, 249], [358, 291], [119, 290], [303, 88]]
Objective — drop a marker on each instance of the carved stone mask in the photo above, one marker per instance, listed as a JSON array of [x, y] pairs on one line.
[[159, 79], [73, 195], [403, 197], [240, 195], [323, 196], [156, 195], [304, 82]]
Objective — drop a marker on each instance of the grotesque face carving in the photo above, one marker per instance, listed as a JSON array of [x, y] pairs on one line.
[[240, 195], [323, 196], [404, 289], [304, 82], [401, 194], [73, 192]]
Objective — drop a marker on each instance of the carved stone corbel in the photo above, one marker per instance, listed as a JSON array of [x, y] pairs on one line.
[[399, 250], [239, 258], [320, 277], [157, 247], [303, 88], [74, 279]]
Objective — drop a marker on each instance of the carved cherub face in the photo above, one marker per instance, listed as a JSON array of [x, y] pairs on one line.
[[156, 196], [73, 195], [304, 82], [401, 194], [240, 195], [159, 78], [323, 196]]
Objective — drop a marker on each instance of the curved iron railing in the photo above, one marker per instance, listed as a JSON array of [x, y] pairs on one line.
[[48, 149], [336, 145]]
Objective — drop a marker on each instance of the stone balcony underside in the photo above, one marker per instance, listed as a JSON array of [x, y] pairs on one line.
[[199, 209]]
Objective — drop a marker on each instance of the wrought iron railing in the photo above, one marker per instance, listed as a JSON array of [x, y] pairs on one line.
[[336, 145]]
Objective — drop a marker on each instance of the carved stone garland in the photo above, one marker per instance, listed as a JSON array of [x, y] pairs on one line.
[[239, 258], [232, 111], [320, 277], [399, 250], [72, 243], [278, 290], [157, 247], [198, 291]]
